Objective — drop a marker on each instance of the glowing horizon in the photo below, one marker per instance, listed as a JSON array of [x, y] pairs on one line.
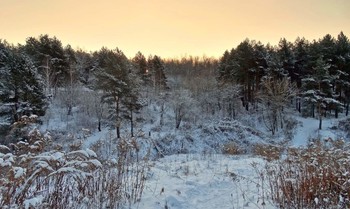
[[172, 28]]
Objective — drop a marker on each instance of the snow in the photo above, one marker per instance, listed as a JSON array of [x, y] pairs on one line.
[[70, 170], [96, 163], [57, 155], [33, 116], [31, 203], [204, 182], [6, 160], [193, 180], [19, 172], [82, 152], [308, 129], [3, 147], [91, 153], [93, 138]]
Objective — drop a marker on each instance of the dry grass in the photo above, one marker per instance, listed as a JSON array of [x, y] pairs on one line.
[[232, 149], [31, 177], [314, 177], [268, 151]]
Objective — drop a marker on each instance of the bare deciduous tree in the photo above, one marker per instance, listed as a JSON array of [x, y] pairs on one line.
[[274, 95]]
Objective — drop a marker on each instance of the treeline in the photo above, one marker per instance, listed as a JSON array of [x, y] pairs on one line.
[[33, 74], [314, 76], [318, 70]]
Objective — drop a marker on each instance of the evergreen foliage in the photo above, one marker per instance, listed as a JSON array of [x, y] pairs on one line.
[[328, 79], [50, 59], [319, 70], [21, 92], [115, 79], [157, 69]]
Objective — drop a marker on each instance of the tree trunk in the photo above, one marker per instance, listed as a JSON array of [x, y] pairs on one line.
[[16, 114], [281, 118], [250, 95], [297, 104], [178, 118], [69, 112], [131, 124], [118, 119], [47, 72], [70, 93], [336, 112], [161, 121], [245, 98], [118, 132], [320, 116], [178, 122]]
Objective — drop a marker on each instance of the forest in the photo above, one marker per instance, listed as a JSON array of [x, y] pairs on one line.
[[54, 99], [311, 75]]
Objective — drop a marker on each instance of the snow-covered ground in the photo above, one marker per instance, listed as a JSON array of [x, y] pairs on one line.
[[204, 182], [308, 129], [198, 179]]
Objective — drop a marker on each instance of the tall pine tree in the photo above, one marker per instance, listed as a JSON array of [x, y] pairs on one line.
[[114, 78], [21, 91]]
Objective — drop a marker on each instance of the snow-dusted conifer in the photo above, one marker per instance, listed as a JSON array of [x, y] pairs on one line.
[[343, 70], [114, 78], [49, 57], [21, 91], [157, 68], [317, 89]]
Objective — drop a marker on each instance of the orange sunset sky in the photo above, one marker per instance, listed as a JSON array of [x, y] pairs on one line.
[[171, 28]]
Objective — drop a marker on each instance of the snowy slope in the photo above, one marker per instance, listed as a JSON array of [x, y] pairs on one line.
[[204, 182], [308, 129]]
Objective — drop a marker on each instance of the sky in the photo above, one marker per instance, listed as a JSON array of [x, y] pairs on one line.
[[171, 28]]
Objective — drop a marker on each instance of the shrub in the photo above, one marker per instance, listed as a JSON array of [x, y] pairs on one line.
[[32, 177]]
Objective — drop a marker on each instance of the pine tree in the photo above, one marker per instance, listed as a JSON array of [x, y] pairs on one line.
[[20, 86], [286, 58], [301, 59], [114, 78], [141, 67], [301, 69], [318, 89], [244, 65], [342, 63], [70, 90], [86, 64], [157, 69], [224, 68], [49, 58]]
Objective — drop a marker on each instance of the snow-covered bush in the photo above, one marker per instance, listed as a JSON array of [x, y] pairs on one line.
[[32, 177], [314, 177], [122, 178], [21, 130]]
